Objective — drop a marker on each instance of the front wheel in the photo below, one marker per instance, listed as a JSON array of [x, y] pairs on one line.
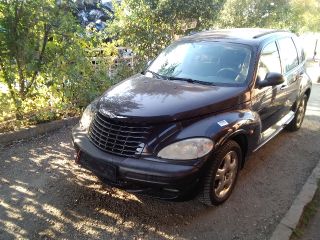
[[221, 177], [296, 122]]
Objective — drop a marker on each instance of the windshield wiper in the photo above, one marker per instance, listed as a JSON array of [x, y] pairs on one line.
[[155, 74], [190, 80]]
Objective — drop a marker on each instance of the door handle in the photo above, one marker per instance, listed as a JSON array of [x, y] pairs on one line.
[[283, 87], [299, 76]]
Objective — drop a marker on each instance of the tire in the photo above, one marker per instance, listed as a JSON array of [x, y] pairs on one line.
[[217, 187], [296, 122]]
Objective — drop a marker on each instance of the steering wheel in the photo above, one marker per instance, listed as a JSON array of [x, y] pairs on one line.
[[227, 73]]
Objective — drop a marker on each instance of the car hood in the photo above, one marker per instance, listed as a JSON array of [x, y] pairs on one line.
[[140, 98]]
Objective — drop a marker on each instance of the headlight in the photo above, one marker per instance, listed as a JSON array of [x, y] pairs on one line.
[[88, 114], [187, 149]]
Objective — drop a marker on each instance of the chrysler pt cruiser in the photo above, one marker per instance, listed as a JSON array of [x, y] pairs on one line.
[[185, 125]]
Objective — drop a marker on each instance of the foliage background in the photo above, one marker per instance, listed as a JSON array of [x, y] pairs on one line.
[[51, 67]]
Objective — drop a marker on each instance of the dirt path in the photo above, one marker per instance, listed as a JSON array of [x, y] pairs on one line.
[[43, 194]]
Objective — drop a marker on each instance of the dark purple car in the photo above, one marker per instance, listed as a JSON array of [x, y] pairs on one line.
[[185, 125]]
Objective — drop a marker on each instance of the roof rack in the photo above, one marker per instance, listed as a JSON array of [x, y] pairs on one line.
[[269, 32]]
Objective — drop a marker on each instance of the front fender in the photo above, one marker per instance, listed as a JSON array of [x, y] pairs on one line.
[[219, 128]]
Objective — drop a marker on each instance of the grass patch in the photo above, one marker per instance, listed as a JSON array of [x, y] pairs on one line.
[[308, 213]]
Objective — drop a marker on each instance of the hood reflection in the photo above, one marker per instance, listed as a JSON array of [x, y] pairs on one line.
[[143, 97]]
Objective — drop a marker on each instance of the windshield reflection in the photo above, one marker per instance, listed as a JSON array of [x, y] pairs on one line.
[[208, 62]]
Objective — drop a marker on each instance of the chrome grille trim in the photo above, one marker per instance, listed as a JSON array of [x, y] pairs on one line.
[[117, 137]]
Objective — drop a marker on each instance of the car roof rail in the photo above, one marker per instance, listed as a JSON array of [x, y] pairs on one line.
[[269, 32]]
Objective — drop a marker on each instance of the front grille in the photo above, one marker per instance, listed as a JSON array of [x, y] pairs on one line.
[[117, 137]]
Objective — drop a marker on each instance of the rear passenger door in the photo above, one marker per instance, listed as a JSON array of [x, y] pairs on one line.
[[302, 78], [288, 91]]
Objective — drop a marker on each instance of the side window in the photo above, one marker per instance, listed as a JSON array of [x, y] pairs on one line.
[[288, 54], [300, 50], [269, 61]]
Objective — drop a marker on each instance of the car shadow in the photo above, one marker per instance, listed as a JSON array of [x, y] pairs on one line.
[[45, 194]]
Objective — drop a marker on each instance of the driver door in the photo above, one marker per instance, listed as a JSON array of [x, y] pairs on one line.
[[265, 100]]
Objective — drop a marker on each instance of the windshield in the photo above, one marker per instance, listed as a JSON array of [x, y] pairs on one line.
[[216, 63]]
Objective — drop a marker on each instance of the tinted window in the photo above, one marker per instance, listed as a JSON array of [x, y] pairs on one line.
[[288, 54], [269, 61], [300, 50], [209, 62]]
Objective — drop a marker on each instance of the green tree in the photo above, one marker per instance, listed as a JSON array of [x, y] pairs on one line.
[[147, 26], [257, 13], [305, 15], [33, 32]]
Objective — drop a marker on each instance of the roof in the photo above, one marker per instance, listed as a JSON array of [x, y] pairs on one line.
[[238, 35]]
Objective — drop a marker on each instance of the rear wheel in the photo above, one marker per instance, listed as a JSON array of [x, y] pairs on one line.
[[221, 177], [296, 122]]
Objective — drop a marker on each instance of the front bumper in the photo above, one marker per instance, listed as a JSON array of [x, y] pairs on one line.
[[148, 175]]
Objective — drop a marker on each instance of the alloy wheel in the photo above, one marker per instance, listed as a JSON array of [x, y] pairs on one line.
[[301, 111], [226, 174]]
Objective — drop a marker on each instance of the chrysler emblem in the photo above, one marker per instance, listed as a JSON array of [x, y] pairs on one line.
[[109, 114]]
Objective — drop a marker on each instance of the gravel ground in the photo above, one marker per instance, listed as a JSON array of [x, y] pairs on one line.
[[45, 195]]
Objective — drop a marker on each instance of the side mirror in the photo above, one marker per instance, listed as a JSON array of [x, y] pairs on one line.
[[271, 79]]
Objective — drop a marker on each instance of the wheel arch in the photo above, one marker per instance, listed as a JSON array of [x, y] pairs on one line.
[[242, 140], [308, 92], [240, 137]]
